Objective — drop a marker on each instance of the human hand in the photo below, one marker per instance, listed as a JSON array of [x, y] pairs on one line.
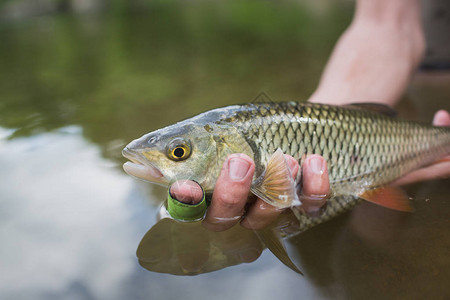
[[439, 169], [229, 202], [231, 194]]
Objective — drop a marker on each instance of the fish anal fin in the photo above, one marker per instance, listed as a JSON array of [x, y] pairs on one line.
[[389, 197], [376, 107], [276, 185]]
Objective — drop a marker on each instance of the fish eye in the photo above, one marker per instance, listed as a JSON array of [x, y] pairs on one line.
[[178, 149], [178, 152]]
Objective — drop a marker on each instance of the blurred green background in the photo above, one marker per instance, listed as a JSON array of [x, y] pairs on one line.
[[122, 68], [79, 79]]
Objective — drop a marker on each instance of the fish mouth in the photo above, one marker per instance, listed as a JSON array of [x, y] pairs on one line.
[[139, 167]]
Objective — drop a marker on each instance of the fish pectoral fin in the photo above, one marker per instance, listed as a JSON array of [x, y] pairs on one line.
[[276, 185], [389, 197], [376, 107]]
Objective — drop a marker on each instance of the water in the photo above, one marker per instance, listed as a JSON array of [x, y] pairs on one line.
[[75, 89]]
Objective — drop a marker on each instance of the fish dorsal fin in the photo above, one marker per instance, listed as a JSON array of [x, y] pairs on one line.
[[276, 185], [389, 197], [376, 107]]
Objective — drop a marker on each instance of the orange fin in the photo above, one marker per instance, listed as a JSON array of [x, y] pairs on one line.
[[389, 197], [276, 185], [442, 160]]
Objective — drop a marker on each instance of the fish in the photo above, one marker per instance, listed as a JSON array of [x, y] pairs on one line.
[[366, 148]]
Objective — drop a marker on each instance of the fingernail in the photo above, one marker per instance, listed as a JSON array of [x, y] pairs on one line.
[[238, 168], [317, 165]]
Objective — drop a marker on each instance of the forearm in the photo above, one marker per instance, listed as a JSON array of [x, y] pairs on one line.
[[376, 56]]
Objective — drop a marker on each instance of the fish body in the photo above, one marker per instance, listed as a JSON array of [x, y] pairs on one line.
[[364, 149]]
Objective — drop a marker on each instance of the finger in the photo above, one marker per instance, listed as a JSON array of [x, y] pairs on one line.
[[230, 193], [438, 170], [316, 184], [186, 191], [261, 214], [441, 118]]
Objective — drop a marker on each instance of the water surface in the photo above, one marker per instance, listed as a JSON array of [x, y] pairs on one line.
[[74, 89]]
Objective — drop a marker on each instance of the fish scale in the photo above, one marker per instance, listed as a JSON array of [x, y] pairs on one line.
[[364, 148], [358, 142]]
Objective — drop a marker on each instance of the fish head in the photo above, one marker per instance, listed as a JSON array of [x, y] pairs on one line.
[[186, 150]]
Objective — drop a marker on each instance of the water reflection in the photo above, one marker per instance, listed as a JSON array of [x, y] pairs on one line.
[[368, 251], [73, 90], [58, 219], [189, 249]]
